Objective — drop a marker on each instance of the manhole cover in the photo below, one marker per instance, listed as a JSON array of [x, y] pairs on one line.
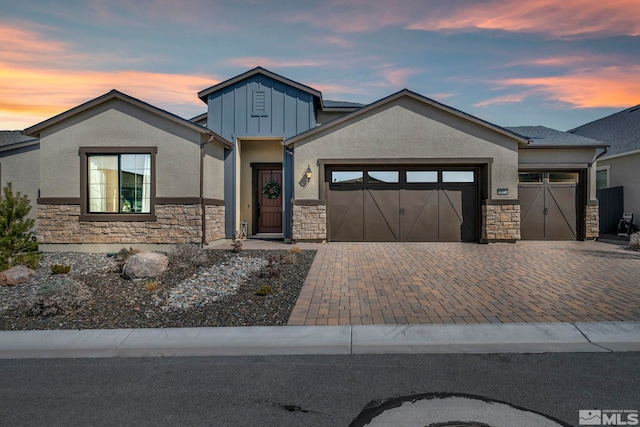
[[450, 410]]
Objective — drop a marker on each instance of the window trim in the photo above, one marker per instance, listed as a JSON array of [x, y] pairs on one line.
[[85, 215]]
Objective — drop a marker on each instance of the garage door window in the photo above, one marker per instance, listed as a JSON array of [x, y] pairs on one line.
[[564, 177], [457, 176], [422, 176], [383, 177], [347, 177], [530, 177]]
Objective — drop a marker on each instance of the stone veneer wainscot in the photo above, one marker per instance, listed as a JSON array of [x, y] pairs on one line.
[[500, 223], [309, 223], [214, 222], [175, 224], [592, 223]]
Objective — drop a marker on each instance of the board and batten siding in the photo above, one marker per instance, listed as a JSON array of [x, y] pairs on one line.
[[287, 111]]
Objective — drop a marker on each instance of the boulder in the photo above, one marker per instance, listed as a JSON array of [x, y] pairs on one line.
[[145, 264], [16, 275]]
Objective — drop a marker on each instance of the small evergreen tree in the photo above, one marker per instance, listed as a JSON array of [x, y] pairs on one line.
[[16, 244]]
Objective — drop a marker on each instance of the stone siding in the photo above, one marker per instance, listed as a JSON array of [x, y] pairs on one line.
[[214, 220], [175, 224], [592, 222], [309, 223], [500, 223]]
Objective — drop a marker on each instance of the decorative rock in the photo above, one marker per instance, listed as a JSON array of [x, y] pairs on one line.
[[145, 264], [16, 275]]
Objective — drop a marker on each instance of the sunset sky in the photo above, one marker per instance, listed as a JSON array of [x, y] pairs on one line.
[[557, 63]]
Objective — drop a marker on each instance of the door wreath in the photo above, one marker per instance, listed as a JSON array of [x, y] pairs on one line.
[[271, 190]]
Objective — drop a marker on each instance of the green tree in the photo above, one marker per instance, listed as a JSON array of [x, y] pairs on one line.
[[17, 247]]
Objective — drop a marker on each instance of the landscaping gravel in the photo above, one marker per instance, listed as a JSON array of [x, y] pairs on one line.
[[207, 288]]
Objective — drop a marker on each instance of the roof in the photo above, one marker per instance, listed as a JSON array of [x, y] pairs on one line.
[[406, 93], [13, 137], [341, 104], [621, 130], [114, 94], [540, 136], [258, 70]]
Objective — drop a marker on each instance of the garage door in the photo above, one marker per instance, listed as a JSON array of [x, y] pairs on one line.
[[404, 204], [548, 202]]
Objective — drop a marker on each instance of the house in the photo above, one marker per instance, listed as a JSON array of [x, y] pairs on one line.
[[271, 157], [620, 167]]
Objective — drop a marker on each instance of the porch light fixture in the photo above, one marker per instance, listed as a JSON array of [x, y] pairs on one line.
[[306, 177]]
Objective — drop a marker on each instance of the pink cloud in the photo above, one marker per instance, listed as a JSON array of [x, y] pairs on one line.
[[556, 18], [614, 87], [506, 99]]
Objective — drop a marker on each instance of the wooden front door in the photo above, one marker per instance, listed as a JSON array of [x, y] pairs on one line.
[[268, 209]]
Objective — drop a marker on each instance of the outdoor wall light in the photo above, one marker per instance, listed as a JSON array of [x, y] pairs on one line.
[[306, 177]]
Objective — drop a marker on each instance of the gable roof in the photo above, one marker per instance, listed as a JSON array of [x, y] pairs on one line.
[[259, 70], [406, 93], [114, 94], [541, 136], [621, 130]]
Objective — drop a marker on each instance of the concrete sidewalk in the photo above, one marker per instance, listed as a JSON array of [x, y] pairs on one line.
[[347, 339]]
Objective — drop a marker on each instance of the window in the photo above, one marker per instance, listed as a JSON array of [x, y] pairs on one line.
[[530, 177], [563, 177], [118, 183], [383, 177], [602, 179], [347, 177], [457, 176], [422, 176]]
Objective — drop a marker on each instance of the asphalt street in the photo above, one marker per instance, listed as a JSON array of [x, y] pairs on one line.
[[303, 390]]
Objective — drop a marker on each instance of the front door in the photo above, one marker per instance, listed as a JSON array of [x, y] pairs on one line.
[[268, 191]]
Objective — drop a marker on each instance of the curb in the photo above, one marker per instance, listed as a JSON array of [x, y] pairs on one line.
[[326, 340]]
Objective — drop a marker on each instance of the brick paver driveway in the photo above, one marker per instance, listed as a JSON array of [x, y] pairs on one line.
[[397, 283]]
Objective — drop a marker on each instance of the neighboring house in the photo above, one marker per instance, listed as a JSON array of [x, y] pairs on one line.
[[620, 167], [273, 158], [20, 165]]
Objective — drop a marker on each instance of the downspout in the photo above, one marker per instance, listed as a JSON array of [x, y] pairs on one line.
[[606, 149], [201, 196]]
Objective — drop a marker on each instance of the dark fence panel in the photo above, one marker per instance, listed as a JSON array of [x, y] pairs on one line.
[[611, 205]]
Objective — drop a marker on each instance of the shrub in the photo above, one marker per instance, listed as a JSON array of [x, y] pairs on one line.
[[264, 291], [294, 250], [152, 286], [60, 268], [273, 267], [236, 244], [290, 259], [17, 245], [59, 295], [188, 255]]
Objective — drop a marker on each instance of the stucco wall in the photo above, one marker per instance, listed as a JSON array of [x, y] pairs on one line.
[[116, 123], [625, 171], [21, 168], [257, 151], [409, 129], [214, 171]]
